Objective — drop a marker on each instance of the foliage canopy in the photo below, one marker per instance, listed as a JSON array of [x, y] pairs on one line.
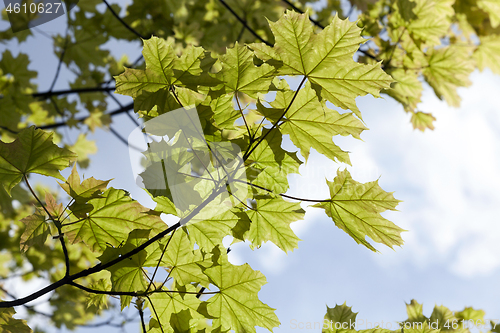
[[234, 66]]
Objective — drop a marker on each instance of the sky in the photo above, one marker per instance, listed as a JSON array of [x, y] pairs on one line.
[[447, 179]]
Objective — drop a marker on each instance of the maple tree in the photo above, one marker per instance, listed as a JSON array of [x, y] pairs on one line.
[[232, 64]]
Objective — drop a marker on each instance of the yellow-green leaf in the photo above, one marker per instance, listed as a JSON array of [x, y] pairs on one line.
[[356, 207], [32, 152]]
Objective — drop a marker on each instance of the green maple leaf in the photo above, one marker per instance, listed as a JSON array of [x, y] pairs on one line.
[[32, 152], [339, 314], [164, 205], [272, 164], [17, 67], [173, 308], [111, 219], [422, 120], [127, 275], [470, 314], [324, 58], [12, 325], [35, 232], [184, 262], [407, 90], [210, 232], [432, 20], [415, 312], [449, 68], [239, 73], [100, 301], [312, 125], [83, 148], [355, 208], [492, 7], [85, 49], [270, 221], [237, 307], [488, 53], [443, 316], [82, 192], [164, 70]]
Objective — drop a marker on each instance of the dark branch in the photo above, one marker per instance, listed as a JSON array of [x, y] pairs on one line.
[[135, 32], [58, 70], [101, 266], [82, 119], [47, 94], [242, 21], [316, 23]]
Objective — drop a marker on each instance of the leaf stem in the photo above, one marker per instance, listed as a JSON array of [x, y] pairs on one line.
[[57, 223], [159, 261], [250, 151], [244, 120], [101, 266]]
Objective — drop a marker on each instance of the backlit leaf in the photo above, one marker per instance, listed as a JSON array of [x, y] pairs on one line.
[[32, 152], [355, 208]]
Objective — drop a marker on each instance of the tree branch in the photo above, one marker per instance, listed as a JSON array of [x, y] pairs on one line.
[[101, 266], [57, 224], [82, 119], [135, 32], [316, 23], [47, 94], [242, 21]]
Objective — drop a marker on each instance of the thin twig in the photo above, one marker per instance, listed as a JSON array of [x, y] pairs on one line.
[[242, 21], [135, 32], [317, 23], [243, 116], [57, 224], [122, 139], [156, 314], [159, 261], [141, 314], [47, 94], [82, 119], [61, 57], [250, 151], [101, 266]]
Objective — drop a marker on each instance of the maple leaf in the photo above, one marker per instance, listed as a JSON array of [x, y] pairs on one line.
[[270, 221], [239, 73], [111, 219], [32, 152], [237, 306], [415, 312], [487, 54], [173, 308], [324, 58], [164, 69], [82, 192], [422, 120], [36, 230], [339, 314], [270, 164], [8, 324], [449, 68], [209, 233], [492, 7], [312, 125], [355, 208], [185, 262]]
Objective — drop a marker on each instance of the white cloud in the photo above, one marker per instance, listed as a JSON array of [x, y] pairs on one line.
[[449, 179]]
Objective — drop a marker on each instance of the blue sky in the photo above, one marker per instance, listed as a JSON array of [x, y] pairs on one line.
[[447, 178]]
